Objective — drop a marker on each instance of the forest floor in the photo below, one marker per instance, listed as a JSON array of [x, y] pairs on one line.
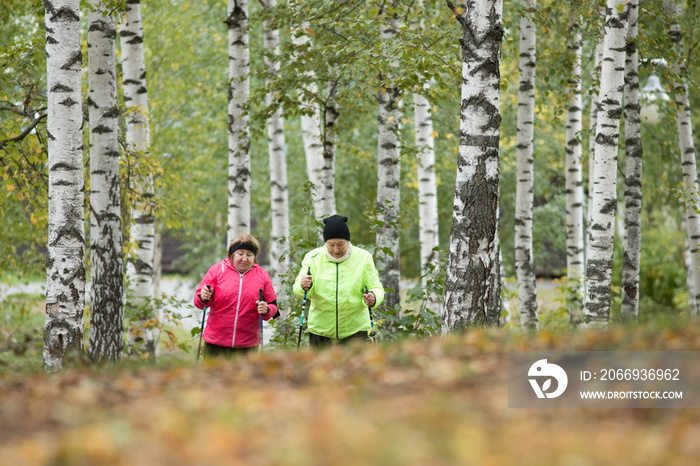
[[440, 401]]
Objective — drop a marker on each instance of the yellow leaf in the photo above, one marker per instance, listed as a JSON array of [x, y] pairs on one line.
[[434, 134], [448, 136], [404, 121], [390, 119], [383, 90]]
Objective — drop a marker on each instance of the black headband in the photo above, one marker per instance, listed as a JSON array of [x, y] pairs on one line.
[[236, 246]]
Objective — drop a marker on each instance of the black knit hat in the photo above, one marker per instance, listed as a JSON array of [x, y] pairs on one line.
[[335, 227]]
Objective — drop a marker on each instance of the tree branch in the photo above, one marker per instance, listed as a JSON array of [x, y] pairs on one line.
[[24, 133], [427, 49]]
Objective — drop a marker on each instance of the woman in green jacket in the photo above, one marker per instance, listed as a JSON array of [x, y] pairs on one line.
[[336, 287]]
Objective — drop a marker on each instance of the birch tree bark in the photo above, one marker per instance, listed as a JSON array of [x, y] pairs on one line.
[[593, 123], [687, 147], [331, 113], [312, 136], [688, 266], [473, 250], [602, 228], [107, 276], [279, 193], [524, 197], [238, 128], [427, 185], [65, 261], [629, 309], [389, 169], [427, 188], [574, 182], [142, 231]]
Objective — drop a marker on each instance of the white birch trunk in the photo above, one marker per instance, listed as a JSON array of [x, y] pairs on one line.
[[507, 314], [602, 228], [687, 148], [389, 174], [427, 189], [279, 193], [629, 309], [238, 129], [524, 197], [107, 276], [473, 250], [311, 130], [428, 234], [65, 261], [593, 122], [330, 135], [142, 231], [688, 267], [574, 183]]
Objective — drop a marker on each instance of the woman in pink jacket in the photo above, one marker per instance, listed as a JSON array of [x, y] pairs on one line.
[[230, 290]]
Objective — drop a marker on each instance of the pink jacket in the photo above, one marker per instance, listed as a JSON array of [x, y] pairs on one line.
[[233, 319]]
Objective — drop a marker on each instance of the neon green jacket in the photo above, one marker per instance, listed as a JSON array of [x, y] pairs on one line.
[[337, 309]]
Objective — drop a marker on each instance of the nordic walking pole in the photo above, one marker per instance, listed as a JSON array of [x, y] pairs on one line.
[[261, 298], [303, 311], [201, 330], [369, 308]]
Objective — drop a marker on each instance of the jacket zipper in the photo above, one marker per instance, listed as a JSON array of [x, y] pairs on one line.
[[238, 307], [337, 278]]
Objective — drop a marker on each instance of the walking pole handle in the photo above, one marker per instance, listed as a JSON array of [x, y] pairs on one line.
[[261, 298], [201, 329], [371, 320], [303, 311]]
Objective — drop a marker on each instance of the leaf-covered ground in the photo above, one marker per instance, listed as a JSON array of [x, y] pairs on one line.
[[442, 401]]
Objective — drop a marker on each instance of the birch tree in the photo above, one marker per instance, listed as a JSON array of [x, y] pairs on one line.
[[602, 229], [239, 180], [629, 309], [65, 261], [142, 231], [107, 276], [427, 184], [524, 197], [593, 122], [389, 168], [331, 114], [687, 147], [473, 250], [279, 193], [574, 181], [320, 169]]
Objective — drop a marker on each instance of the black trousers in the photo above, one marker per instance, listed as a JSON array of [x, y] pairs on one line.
[[317, 341], [225, 351]]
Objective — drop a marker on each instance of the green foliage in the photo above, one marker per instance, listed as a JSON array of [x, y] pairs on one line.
[[152, 324], [662, 281], [424, 321], [23, 156], [570, 303], [21, 339]]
